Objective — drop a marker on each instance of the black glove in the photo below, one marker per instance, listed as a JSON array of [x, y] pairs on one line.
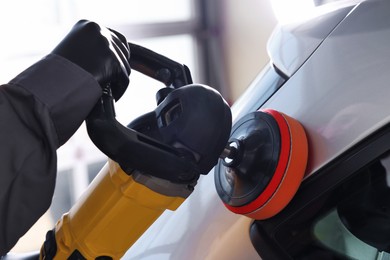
[[102, 52]]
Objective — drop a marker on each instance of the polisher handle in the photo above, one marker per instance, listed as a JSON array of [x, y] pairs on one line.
[[159, 67]]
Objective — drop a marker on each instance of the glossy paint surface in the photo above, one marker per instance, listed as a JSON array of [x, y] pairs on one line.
[[291, 45], [202, 228], [340, 93]]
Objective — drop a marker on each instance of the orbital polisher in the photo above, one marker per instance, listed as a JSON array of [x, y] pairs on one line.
[[155, 162]]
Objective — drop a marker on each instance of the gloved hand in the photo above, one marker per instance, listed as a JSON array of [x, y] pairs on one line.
[[102, 52]]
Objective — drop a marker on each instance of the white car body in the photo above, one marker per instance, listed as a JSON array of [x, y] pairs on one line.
[[336, 73]]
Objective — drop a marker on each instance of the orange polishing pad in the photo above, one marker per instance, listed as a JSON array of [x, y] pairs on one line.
[[267, 166]]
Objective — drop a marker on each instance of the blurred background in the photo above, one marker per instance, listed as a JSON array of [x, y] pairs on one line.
[[223, 42]]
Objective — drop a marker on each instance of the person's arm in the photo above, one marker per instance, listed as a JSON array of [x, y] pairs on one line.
[[40, 110], [36, 117]]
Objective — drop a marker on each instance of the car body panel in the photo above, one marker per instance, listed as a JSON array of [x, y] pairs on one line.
[[341, 93], [338, 89], [201, 228], [291, 45]]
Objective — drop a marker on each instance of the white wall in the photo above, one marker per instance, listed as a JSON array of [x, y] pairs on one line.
[[247, 26]]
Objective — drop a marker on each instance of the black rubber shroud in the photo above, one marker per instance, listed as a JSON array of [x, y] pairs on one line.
[[240, 182]]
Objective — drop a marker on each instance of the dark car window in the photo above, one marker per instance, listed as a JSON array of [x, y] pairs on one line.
[[340, 212], [353, 222]]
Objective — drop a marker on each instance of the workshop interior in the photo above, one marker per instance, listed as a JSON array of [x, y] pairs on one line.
[[250, 130]]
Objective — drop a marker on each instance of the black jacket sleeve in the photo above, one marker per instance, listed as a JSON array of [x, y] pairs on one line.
[[39, 111]]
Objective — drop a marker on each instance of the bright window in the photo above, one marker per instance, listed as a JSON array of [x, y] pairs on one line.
[[31, 29]]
